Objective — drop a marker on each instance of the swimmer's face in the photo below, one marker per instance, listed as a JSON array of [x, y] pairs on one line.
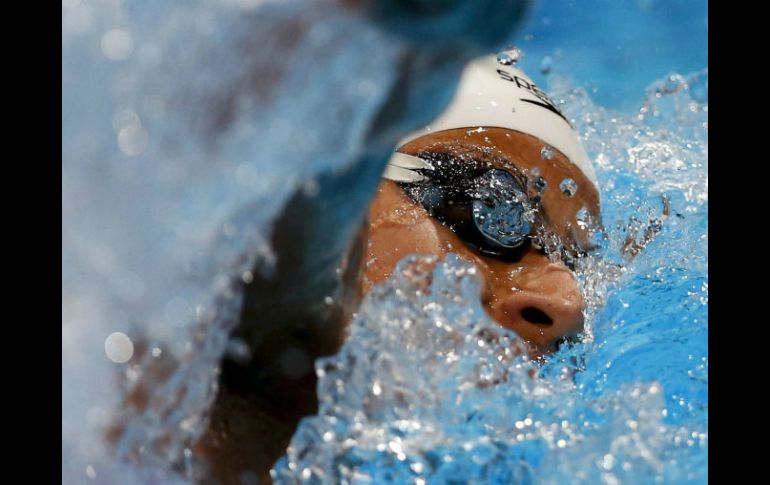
[[522, 290]]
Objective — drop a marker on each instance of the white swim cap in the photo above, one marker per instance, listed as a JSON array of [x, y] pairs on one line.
[[494, 95]]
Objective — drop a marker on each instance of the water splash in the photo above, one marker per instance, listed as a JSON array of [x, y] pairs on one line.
[[416, 396], [510, 56]]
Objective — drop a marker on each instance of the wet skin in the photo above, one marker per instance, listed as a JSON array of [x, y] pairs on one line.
[[529, 294]]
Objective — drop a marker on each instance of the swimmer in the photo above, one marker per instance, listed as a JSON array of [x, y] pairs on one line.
[[499, 178]]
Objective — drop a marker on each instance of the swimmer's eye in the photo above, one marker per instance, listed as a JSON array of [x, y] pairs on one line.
[[487, 208]]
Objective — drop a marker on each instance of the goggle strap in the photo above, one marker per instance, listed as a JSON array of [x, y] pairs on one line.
[[404, 168], [398, 174], [407, 161]]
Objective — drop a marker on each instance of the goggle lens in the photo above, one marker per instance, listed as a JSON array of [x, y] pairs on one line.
[[501, 209], [489, 209]]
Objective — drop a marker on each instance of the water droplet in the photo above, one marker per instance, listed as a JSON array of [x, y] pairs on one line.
[[328, 300], [568, 187], [672, 84], [117, 45], [540, 184], [118, 347], [547, 152], [90, 472], [582, 217], [546, 65], [132, 140], [608, 462], [509, 56], [247, 277]]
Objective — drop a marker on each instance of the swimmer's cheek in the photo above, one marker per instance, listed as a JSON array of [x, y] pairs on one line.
[[389, 243]]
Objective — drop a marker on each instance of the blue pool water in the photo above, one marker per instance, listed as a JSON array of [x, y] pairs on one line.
[[170, 181]]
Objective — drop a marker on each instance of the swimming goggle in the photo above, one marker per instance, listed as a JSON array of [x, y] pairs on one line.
[[487, 207]]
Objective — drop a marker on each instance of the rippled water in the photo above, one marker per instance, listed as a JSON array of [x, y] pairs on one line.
[[170, 180]]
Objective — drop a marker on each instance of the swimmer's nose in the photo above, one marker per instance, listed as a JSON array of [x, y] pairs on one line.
[[547, 316]]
